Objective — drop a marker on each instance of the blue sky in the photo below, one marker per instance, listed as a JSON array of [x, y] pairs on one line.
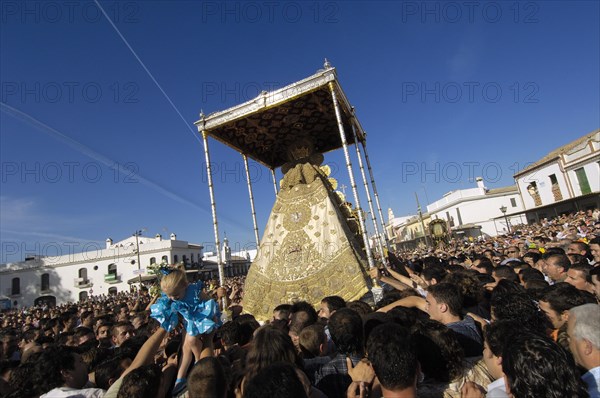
[[96, 115]]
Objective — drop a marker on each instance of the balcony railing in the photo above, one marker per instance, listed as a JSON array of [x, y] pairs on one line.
[[82, 282], [8, 292], [112, 278]]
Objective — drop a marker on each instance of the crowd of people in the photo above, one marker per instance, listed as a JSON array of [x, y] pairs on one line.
[[510, 316]]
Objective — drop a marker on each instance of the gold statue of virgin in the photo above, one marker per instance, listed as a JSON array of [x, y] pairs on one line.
[[308, 250]]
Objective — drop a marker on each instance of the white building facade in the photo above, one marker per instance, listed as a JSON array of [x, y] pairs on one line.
[[395, 225], [75, 276], [234, 264], [480, 206], [565, 180]]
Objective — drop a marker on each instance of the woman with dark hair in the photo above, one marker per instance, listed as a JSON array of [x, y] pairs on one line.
[[519, 307], [268, 346], [279, 379], [439, 352], [535, 366], [442, 361]]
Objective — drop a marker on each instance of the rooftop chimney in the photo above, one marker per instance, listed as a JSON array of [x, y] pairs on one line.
[[480, 182]]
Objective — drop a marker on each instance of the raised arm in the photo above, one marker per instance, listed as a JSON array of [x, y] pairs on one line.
[[400, 277], [408, 302], [395, 283], [152, 302], [146, 354]]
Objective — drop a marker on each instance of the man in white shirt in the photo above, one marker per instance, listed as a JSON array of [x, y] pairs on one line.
[[496, 336], [64, 374], [583, 328]]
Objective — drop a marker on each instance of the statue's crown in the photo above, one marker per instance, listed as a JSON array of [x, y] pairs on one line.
[[301, 151]]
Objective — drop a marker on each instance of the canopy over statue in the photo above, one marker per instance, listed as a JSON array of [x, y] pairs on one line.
[[314, 245], [265, 127]]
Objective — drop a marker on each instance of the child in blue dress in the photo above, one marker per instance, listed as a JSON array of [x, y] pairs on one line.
[[200, 314]]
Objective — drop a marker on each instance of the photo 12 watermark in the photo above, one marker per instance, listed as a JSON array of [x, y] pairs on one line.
[[45, 253], [69, 92], [209, 248], [470, 92], [71, 12], [236, 92], [456, 172], [270, 12], [50, 252], [450, 12], [235, 172], [72, 172], [271, 249]]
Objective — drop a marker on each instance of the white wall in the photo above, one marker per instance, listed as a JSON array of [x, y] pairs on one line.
[[455, 196], [482, 211], [64, 270], [541, 177], [592, 171]]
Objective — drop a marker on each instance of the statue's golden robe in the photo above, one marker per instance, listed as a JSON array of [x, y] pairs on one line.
[[307, 251]]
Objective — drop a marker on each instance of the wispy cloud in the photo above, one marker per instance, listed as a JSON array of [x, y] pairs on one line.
[[15, 210], [143, 65], [47, 236], [25, 229], [26, 217], [111, 163], [87, 151], [465, 60]]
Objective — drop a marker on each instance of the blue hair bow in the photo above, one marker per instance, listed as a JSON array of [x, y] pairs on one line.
[[165, 270]]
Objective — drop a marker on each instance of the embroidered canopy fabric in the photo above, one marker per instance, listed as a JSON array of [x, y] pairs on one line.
[[265, 127]]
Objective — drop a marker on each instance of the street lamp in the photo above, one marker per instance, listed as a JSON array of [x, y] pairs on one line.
[[422, 222], [503, 210], [137, 234]]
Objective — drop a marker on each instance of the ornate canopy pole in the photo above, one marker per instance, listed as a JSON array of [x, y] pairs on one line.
[[213, 205], [369, 201], [361, 220], [385, 237], [251, 200], [274, 181]]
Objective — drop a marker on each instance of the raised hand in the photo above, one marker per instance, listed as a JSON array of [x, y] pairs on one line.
[[362, 372], [472, 390]]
